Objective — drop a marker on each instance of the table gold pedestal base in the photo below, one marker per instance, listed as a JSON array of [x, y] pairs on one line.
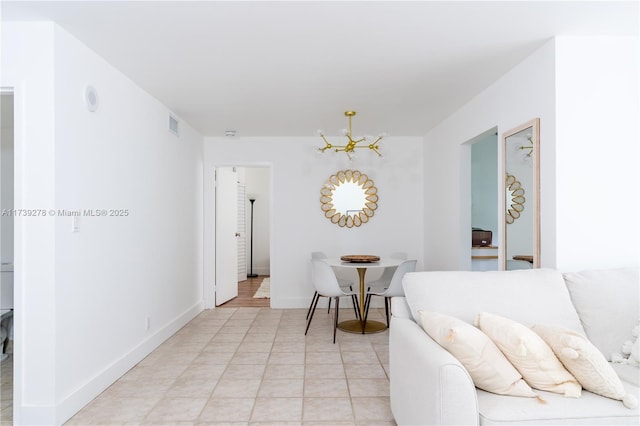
[[355, 326]]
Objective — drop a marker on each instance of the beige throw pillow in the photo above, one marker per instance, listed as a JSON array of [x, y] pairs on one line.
[[585, 362], [487, 366], [529, 354]]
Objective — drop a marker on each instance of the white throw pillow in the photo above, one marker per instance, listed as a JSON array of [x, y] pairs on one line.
[[487, 366], [529, 354], [630, 350], [585, 362]]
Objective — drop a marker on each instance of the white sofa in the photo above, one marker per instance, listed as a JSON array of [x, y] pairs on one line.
[[429, 386]]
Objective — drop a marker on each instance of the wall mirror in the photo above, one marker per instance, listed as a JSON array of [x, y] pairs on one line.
[[521, 188], [349, 198]]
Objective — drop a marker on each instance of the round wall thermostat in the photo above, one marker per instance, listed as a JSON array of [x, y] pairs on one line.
[[91, 98]]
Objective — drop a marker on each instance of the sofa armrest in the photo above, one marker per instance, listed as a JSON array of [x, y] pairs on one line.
[[428, 385], [400, 307]]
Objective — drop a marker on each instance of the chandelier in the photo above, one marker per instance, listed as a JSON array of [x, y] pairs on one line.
[[352, 144]]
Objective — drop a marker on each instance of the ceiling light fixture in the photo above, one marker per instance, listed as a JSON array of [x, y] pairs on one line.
[[352, 144]]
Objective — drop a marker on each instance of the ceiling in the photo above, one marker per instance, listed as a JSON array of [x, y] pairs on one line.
[[289, 68]]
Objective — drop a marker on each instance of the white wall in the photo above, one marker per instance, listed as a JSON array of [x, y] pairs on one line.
[[83, 298], [299, 227], [598, 152], [585, 92]]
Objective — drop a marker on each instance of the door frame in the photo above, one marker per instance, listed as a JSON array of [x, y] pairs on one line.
[[209, 231]]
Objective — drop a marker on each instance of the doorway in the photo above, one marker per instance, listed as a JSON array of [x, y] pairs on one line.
[[480, 203], [6, 255], [242, 222]]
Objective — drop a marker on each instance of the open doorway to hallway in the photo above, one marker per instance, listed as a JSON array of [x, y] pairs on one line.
[[252, 198]]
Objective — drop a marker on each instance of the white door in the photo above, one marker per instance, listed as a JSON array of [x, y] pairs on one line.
[[242, 238], [226, 234]]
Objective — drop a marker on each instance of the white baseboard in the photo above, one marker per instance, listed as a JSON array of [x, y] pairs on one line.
[[261, 270], [71, 404]]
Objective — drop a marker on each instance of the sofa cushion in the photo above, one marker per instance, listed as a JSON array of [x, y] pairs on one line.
[[487, 366], [589, 409], [528, 296], [615, 292], [529, 354], [585, 362], [627, 373]]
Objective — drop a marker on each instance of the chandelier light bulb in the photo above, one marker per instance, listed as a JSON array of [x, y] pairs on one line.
[[319, 132], [344, 132]]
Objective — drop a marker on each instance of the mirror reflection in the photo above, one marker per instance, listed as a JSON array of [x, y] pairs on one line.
[[515, 199], [349, 198], [520, 236]]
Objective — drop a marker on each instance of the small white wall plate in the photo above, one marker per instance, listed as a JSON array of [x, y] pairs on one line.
[[91, 98]]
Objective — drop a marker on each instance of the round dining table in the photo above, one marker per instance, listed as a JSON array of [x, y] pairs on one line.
[[362, 326]]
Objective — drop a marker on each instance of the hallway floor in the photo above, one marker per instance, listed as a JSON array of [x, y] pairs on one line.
[[246, 290]]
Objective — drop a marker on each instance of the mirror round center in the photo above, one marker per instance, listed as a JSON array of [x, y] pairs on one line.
[[349, 198]]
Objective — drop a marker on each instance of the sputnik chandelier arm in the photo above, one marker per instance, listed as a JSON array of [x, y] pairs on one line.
[[527, 148], [352, 144]]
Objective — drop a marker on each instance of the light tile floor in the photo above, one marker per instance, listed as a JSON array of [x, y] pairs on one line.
[[254, 366]]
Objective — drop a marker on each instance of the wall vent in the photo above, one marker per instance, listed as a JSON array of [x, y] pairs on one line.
[[173, 125]]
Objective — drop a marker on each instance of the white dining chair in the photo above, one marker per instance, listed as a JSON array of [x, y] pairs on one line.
[[346, 286], [394, 288], [326, 285], [383, 282]]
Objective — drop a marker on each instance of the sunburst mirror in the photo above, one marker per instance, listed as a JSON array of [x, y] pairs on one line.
[[349, 198]]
